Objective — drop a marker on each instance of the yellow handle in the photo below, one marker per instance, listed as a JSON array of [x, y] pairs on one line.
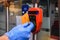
[[25, 18]]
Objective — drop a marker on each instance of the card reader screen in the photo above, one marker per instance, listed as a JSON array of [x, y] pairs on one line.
[[33, 12]]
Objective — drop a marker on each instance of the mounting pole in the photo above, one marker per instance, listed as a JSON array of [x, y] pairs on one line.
[[35, 4]]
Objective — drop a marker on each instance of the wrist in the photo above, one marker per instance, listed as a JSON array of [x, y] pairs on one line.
[[4, 37], [22, 38], [10, 35]]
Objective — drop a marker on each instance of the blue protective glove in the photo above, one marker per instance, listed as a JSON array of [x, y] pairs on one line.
[[20, 32]]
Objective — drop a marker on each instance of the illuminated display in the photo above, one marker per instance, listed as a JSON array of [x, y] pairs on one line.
[[33, 12]]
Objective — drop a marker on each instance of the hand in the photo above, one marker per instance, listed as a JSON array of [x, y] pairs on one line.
[[22, 31]]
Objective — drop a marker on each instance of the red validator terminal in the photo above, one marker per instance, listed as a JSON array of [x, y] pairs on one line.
[[35, 16]]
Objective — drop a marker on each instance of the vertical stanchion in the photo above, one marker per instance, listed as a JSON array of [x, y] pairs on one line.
[[6, 5], [7, 19], [35, 4]]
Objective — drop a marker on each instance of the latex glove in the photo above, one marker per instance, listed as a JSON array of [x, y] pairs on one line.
[[22, 38], [22, 31]]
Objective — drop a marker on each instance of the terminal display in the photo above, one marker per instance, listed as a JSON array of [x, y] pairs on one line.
[[33, 12]]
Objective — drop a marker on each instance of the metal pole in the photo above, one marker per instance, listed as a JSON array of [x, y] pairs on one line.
[[35, 4], [35, 37], [7, 20]]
